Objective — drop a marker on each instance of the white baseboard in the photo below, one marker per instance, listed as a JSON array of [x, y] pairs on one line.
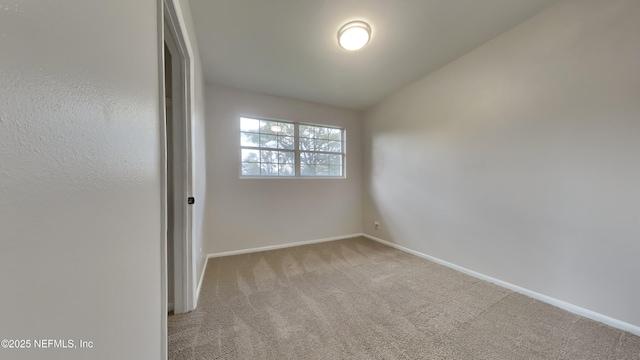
[[619, 324], [281, 246]]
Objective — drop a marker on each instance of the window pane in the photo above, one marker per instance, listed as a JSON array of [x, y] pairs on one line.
[[311, 158], [308, 158], [321, 145], [327, 146], [268, 141], [304, 159], [335, 134], [334, 146], [322, 159], [250, 169], [250, 156], [250, 125], [320, 132], [270, 127], [316, 138], [322, 170], [285, 170], [249, 139], [335, 170], [335, 160], [269, 169], [265, 127], [285, 142], [307, 144], [307, 170], [288, 129], [307, 131], [318, 145], [285, 157], [268, 156], [323, 133]]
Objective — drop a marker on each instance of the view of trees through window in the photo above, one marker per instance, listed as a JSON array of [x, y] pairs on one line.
[[278, 148]]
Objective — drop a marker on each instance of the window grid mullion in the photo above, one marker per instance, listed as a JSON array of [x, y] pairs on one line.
[[296, 147], [344, 152]]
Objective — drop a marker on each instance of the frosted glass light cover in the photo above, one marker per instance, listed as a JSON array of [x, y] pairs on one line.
[[354, 35]]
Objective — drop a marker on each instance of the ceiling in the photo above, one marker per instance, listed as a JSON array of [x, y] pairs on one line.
[[289, 47]]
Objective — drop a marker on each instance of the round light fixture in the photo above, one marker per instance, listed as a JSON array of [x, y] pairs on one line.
[[354, 35], [276, 128]]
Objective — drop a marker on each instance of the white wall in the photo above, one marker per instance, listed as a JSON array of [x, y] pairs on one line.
[[80, 177], [520, 160], [250, 213], [198, 135]]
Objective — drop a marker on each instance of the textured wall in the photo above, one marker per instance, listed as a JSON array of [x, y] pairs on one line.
[[250, 213], [80, 177], [520, 159]]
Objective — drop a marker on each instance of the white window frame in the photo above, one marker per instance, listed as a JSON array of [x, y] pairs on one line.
[[296, 150]]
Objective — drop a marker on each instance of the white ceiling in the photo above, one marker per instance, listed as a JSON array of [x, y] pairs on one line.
[[289, 47]]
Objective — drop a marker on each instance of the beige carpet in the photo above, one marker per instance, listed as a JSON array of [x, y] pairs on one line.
[[357, 299]]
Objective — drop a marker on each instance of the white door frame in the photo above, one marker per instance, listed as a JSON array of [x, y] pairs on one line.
[[171, 29]]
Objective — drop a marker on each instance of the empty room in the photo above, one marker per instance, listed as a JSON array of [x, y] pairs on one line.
[[335, 179]]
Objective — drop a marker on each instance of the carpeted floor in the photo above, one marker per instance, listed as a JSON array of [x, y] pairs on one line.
[[357, 299]]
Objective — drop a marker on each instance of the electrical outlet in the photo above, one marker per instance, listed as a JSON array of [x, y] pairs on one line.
[[376, 224]]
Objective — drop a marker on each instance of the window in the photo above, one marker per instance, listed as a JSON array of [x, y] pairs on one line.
[[321, 151], [271, 148]]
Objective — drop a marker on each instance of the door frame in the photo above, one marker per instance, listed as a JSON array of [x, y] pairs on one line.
[[169, 20]]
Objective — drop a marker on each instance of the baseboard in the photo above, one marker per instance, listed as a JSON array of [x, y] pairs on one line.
[[619, 324], [281, 246]]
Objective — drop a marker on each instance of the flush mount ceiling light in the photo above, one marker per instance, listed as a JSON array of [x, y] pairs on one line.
[[276, 128], [354, 35]]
